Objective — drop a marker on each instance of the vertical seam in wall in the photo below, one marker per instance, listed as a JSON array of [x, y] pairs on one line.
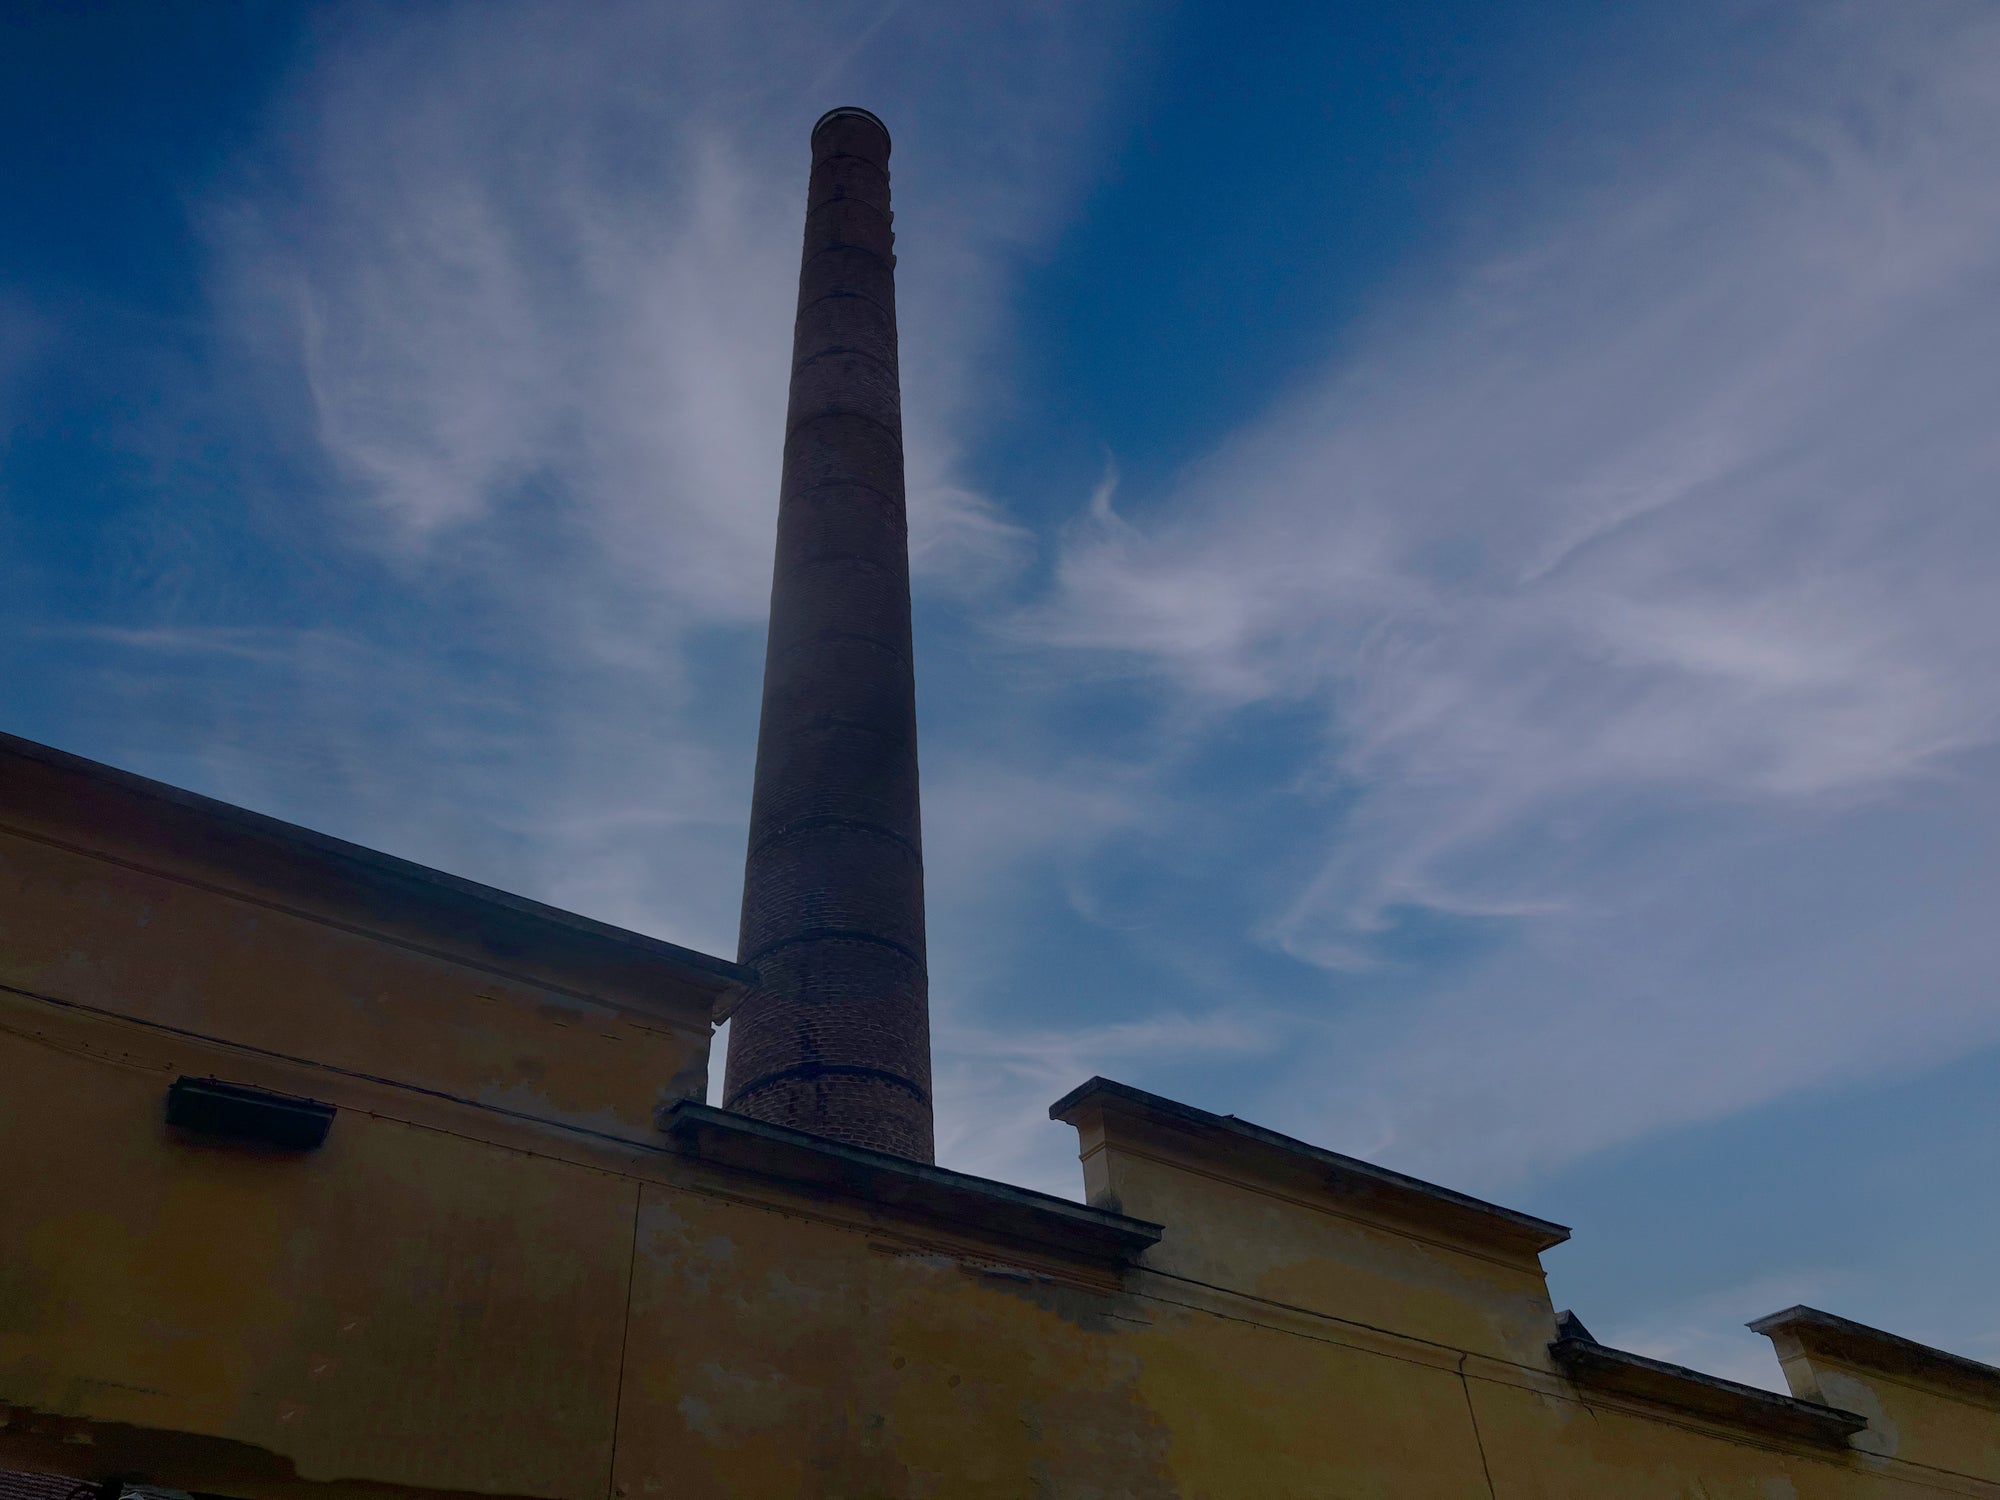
[[624, 1341], [1478, 1442]]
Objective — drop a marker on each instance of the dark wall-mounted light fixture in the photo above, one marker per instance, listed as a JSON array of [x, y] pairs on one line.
[[238, 1112]]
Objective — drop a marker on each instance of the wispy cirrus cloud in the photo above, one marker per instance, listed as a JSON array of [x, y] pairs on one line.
[[1625, 565], [1566, 715], [1706, 1332], [1636, 559], [502, 312], [995, 1085], [549, 261], [520, 285]]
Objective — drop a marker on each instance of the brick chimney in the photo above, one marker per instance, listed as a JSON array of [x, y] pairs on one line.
[[835, 1039]]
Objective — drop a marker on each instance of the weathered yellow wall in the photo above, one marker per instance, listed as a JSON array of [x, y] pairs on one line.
[[476, 1294], [405, 1302], [1548, 1446], [1908, 1418], [442, 1302], [217, 962], [1260, 1240]]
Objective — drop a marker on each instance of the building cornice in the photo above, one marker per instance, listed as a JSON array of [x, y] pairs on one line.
[[906, 1189], [1598, 1366], [98, 810]]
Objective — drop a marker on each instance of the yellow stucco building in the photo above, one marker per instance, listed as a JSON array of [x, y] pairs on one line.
[[522, 1260], [325, 1176]]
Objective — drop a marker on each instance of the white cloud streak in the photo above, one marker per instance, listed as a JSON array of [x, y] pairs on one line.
[[994, 1086], [1632, 557], [1639, 560], [532, 270], [547, 257], [1706, 1332]]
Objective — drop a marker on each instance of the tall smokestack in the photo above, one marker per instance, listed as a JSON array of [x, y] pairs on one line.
[[835, 1039]]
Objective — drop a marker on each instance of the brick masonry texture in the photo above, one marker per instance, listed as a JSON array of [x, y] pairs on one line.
[[835, 1038]]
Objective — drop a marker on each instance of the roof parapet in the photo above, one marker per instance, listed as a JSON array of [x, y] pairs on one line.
[[1809, 1332], [1240, 1149]]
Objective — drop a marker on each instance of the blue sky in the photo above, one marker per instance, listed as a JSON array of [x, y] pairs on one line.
[[1453, 547]]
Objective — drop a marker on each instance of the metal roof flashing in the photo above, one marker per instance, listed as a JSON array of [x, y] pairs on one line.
[[1746, 1407], [979, 1206]]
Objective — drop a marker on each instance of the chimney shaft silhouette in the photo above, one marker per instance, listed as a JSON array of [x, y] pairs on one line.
[[835, 1038]]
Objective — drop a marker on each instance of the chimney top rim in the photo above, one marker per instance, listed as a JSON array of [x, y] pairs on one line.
[[850, 112]]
